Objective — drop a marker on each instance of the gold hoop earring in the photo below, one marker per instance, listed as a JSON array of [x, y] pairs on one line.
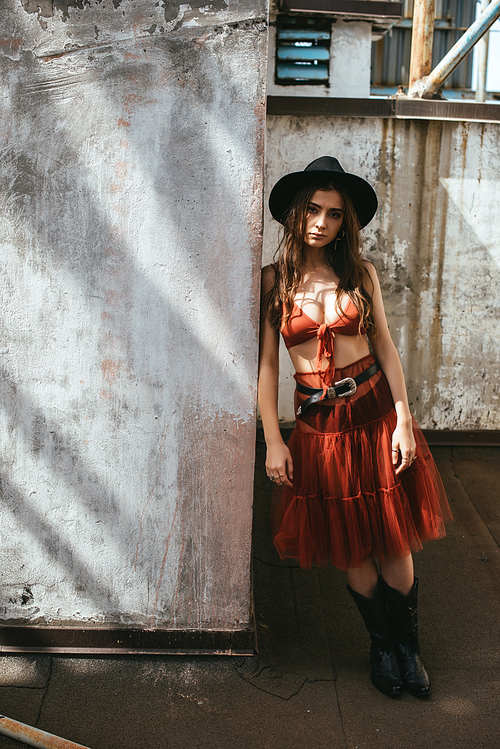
[[338, 238]]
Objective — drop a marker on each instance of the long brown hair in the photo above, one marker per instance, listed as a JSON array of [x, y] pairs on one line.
[[343, 256]]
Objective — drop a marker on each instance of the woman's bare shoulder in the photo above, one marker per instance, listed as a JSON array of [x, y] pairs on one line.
[[370, 270], [369, 265], [268, 276]]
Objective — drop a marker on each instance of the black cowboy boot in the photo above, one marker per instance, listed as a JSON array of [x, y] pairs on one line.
[[385, 674], [404, 622]]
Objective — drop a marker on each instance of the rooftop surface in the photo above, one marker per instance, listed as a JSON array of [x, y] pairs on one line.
[[309, 687]]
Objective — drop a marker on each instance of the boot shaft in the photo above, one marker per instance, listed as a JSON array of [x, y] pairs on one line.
[[403, 614], [375, 615]]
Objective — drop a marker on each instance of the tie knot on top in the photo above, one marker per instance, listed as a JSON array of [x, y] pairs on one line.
[[322, 330]]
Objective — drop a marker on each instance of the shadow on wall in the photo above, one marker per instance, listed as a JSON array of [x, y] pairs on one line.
[[124, 355]]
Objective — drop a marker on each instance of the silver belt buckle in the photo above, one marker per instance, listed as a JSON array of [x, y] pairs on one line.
[[330, 392], [346, 381]]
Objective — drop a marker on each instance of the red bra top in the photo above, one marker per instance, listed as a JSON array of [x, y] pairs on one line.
[[300, 327]]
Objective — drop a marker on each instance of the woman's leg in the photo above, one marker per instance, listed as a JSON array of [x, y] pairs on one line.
[[366, 589], [399, 573], [401, 592], [363, 579]]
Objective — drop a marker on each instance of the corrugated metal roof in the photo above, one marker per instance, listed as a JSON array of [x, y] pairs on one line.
[[391, 54]]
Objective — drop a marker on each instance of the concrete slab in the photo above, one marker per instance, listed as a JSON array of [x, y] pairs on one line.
[[479, 479], [181, 702], [309, 686], [25, 671]]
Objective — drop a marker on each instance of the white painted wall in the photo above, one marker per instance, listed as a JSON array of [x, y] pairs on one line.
[[434, 241], [130, 220]]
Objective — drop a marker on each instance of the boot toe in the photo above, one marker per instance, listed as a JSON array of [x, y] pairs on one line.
[[415, 677], [390, 690], [420, 692]]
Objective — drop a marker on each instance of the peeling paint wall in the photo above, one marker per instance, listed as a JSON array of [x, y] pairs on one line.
[[435, 243], [130, 238]]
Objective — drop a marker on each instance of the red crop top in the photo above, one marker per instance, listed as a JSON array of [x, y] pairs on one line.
[[300, 328]]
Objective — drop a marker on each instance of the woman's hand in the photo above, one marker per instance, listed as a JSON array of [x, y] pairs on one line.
[[403, 441], [279, 465], [404, 446]]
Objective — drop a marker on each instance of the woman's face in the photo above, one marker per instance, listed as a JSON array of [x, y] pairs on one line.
[[324, 218]]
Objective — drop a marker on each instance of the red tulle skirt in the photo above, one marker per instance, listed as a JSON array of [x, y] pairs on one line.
[[347, 503]]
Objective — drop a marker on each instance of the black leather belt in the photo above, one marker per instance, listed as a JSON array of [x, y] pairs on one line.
[[340, 389]]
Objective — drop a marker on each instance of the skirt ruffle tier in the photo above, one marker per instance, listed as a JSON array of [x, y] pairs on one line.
[[347, 503]]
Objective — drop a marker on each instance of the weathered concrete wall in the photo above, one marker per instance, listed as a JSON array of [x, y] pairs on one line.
[[132, 146], [435, 242]]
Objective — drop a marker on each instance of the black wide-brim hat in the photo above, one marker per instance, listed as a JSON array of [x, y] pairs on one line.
[[326, 168]]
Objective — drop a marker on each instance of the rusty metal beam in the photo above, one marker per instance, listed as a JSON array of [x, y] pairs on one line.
[[73, 640], [34, 736], [400, 107], [427, 87], [424, 12]]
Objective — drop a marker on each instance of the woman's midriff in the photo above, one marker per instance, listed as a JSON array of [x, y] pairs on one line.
[[348, 349], [313, 379]]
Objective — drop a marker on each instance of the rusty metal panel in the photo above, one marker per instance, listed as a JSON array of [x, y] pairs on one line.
[[391, 54]]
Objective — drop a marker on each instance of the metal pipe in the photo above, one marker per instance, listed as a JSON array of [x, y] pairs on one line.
[[482, 60], [426, 87], [422, 37], [34, 736]]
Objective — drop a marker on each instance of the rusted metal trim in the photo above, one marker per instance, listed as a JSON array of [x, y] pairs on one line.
[[366, 8], [462, 438], [422, 37], [460, 111], [31, 736], [70, 640], [400, 108], [304, 105], [102, 652]]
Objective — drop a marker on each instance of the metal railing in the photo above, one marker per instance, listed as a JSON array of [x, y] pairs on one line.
[[425, 83]]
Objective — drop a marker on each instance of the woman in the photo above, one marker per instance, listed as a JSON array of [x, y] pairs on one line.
[[359, 488]]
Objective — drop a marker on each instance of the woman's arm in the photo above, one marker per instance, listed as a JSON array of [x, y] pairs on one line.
[[403, 441], [278, 458]]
